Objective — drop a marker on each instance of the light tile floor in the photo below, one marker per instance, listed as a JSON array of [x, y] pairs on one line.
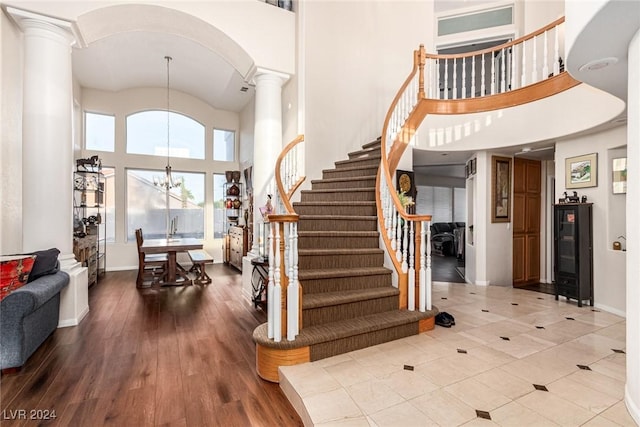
[[505, 343]]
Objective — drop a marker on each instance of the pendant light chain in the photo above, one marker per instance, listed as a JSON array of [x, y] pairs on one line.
[[168, 58]]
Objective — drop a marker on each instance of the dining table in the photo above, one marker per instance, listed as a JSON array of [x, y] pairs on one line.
[[176, 275]]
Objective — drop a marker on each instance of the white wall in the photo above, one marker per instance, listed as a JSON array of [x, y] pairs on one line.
[[538, 13], [265, 32], [494, 240], [609, 266], [358, 54], [10, 137], [123, 254]]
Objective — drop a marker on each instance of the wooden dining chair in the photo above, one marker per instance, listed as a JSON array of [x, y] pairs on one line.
[[151, 267]]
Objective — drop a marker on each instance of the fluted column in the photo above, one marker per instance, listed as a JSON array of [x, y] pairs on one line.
[[47, 145]]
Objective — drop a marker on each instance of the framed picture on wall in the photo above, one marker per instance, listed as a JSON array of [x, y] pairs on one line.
[[500, 189], [581, 171], [619, 169]]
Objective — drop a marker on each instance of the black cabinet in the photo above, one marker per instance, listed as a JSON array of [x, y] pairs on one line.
[[573, 253]]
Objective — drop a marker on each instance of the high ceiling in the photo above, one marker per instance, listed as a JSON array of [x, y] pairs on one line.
[[136, 59]]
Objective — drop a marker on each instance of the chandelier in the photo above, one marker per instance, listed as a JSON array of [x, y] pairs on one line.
[[167, 181]]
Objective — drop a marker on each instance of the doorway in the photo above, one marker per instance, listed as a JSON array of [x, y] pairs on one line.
[[527, 189]]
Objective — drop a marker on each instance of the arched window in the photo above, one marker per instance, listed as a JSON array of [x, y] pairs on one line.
[[147, 134]]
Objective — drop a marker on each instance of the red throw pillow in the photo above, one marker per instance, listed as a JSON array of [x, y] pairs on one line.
[[14, 273]]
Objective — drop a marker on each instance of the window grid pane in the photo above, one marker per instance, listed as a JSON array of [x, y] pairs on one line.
[[100, 132], [218, 205], [224, 145], [147, 134], [146, 204]]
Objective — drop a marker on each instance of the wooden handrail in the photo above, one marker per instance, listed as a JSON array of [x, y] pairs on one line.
[[405, 116], [499, 47], [284, 194]]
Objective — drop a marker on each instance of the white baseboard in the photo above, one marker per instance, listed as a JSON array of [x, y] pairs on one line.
[[611, 310], [633, 409], [73, 322]]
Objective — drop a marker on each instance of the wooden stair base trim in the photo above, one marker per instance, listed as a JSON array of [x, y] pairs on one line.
[[268, 360], [427, 324]]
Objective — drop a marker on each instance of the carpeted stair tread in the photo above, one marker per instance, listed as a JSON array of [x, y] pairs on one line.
[[359, 160], [343, 328], [334, 233], [340, 190], [352, 169], [356, 251], [376, 143], [338, 203], [326, 273], [343, 179], [364, 152], [326, 299], [340, 217]]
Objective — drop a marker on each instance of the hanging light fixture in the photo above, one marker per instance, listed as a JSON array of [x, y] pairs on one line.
[[167, 181]]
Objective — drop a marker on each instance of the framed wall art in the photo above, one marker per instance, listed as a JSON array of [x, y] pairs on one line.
[[500, 189], [619, 169], [581, 171]]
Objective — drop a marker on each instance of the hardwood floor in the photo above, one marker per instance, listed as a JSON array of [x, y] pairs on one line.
[[180, 356]]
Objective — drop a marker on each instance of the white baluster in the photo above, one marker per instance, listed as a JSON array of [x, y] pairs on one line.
[[523, 72], [493, 74], [454, 94], [446, 79], [463, 86], [428, 270], [512, 60], [556, 53], [398, 235], [473, 76], [412, 271], [394, 226], [482, 76], [534, 65], [292, 288], [422, 283], [545, 65], [270, 301], [277, 289], [405, 246], [503, 73]]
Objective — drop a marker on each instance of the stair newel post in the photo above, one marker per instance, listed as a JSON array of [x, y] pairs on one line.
[[428, 268], [292, 287], [277, 287], [422, 283], [270, 286], [412, 271], [420, 58]]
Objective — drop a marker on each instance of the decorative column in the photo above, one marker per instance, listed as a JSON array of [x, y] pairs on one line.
[[267, 141], [267, 145], [47, 144], [632, 389]]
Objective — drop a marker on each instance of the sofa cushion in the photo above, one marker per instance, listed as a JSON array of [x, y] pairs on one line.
[[46, 263], [14, 272]]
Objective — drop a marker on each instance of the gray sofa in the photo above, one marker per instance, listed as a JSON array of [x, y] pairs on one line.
[[28, 316]]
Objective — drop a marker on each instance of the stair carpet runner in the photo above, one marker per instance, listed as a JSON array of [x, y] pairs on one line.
[[348, 299]]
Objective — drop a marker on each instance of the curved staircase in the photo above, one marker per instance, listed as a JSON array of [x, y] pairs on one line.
[[348, 300]]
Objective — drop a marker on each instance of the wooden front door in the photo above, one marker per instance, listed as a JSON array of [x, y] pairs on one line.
[[527, 184]]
